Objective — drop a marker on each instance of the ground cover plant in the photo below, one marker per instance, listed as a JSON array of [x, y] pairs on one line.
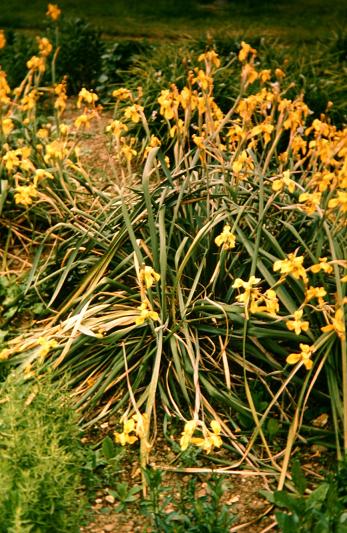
[[206, 288], [42, 459]]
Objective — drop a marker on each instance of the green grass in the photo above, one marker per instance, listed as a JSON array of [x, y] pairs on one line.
[[296, 20]]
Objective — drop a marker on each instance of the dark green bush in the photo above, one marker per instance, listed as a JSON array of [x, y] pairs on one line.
[[80, 53], [14, 56]]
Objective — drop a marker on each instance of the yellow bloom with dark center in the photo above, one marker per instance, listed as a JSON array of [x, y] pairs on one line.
[[303, 357], [53, 11], [226, 239], [297, 324]]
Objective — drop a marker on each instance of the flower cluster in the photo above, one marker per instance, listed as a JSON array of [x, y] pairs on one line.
[[211, 437], [133, 429]]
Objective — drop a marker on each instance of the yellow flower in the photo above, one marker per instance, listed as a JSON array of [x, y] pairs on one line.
[[226, 239], [246, 49], [41, 174], [116, 127], [2, 39], [311, 201], [210, 57], [340, 201], [322, 265], [146, 314], [167, 104], [142, 424], [53, 12], [297, 324], [269, 298], [6, 125], [148, 276], [46, 346], [250, 294], [265, 75], [248, 74], [204, 81], [45, 47], [242, 164], [210, 439], [338, 324], [83, 121], [187, 434], [315, 292], [29, 102], [125, 437], [86, 96], [42, 133], [292, 265], [4, 354], [24, 194], [55, 151], [279, 73], [122, 94], [36, 63], [280, 183], [127, 151], [303, 357], [133, 113]]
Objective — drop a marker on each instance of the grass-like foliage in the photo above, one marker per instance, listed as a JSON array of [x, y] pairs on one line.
[[41, 459], [213, 290]]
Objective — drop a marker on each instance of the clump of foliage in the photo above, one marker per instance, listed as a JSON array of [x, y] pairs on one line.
[[216, 286], [200, 514], [323, 510], [41, 458]]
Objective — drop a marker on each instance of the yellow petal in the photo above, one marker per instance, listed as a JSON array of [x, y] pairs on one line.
[[293, 358]]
